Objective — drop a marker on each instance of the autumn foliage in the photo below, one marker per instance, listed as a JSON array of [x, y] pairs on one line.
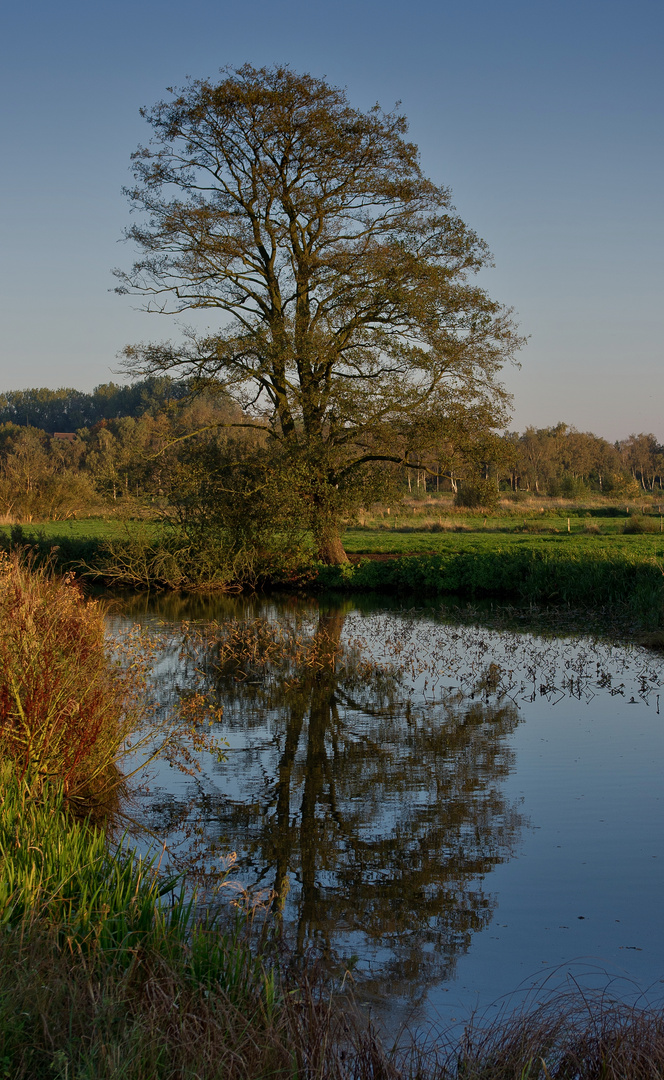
[[66, 705]]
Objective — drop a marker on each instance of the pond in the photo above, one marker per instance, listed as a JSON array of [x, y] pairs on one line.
[[447, 810]]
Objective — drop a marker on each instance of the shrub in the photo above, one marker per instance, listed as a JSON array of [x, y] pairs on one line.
[[65, 707], [573, 487], [473, 494], [639, 523]]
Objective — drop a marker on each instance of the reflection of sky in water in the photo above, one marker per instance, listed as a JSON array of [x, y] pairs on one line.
[[554, 754], [587, 880]]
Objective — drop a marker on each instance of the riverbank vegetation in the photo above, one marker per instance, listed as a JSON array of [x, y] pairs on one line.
[[621, 572], [66, 709], [75, 707], [108, 968]]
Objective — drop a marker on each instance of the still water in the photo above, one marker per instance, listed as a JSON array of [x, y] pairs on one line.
[[448, 810]]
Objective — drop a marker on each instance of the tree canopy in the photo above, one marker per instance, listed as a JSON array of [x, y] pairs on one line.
[[347, 325]]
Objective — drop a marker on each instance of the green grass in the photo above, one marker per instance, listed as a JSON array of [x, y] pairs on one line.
[[58, 869], [68, 545], [364, 542], [463, 532], [84, 529], [623, 574], [98, 954], [410, 527]]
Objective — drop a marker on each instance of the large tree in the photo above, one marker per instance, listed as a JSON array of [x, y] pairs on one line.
[[348, 324]]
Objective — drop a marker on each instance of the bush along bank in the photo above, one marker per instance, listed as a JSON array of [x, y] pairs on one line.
[[159, 556], [593, 579]]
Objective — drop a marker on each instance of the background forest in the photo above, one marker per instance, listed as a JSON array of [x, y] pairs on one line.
[[153, 444]]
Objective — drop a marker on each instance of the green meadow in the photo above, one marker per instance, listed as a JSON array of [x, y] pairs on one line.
[[431, 529], [365, 542]]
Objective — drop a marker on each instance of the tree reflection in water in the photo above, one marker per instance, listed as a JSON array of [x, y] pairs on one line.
[[373, 814]]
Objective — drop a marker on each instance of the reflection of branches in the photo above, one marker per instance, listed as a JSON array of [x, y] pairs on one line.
[[368, 790], [382, 815]]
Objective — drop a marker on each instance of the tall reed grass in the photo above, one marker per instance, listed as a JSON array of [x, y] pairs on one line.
[[95, 946], [66, 706], [60, 870], [74, 705]]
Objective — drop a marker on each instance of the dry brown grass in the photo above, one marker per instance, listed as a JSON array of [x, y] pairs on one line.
[[61, 1015], [65, 707], [73, 704]]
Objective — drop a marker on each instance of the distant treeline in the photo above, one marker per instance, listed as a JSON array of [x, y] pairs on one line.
[[69, 410], [557, 461], [154, 441], [561, 461], [57, 468]]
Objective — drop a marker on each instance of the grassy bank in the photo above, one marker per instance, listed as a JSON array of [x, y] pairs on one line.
[[106, 969], [106, 972], [621, 571], [624, 574]]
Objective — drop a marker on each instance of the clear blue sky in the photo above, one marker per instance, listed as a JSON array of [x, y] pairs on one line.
[[545, 119]]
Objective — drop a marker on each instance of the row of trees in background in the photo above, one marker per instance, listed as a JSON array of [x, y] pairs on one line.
[[128, 455], [563, 461], [179, 445], [68, 410]]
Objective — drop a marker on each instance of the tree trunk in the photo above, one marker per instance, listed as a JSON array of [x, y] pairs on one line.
[[328, 543]]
